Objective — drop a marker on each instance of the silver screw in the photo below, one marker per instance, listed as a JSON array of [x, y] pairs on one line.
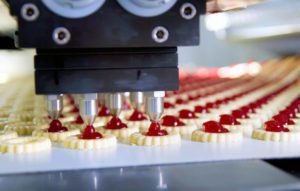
[[160, 34], [30, 12], [188, 11], [61, 35]]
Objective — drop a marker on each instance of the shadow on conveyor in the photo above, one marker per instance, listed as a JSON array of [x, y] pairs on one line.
[[291, 166]]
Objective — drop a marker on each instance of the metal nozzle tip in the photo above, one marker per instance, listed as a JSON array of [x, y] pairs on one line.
[[114, 103], [55, 105], [155, 107], [137, 99], [89, 108]]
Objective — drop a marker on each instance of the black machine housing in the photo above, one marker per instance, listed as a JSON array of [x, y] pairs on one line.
[[110, 50]]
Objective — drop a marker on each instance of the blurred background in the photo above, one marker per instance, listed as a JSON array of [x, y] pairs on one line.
[[220, 42]]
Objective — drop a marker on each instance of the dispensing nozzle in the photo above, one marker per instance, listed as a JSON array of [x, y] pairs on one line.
[[114, 103], [89, 108], [55, 105], [155, 104], [137, 99]]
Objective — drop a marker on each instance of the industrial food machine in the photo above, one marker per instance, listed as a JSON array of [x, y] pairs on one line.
[[98, 51]]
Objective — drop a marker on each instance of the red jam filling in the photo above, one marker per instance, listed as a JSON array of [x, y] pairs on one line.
[[239, 114], [187, 114], [283, 119], [247, 109], [115, 123], [154, 130], [201, 109], [214, 127], [104, 112], [168, 105], [211, 105], [290, 113], [180, 101], [254, 105], [275, 126], [90, 133], [75, 110], [78, 120], [171, 121], [228, 120], [137, 116], [219, 102], [56, 126]]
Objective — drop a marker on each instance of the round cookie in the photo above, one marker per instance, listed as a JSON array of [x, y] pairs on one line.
[[25, 145], [214, 132], [74, 142], [155, 137], [56, 132], [23, 128], [117, 128], [274, 131], [5, 135], [173, 124]]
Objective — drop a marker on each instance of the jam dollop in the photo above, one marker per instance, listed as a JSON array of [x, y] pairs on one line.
[[154, 130], [168, 105], [171, 121], [187, 114], [180, 101], [283, 119], [56, 126], [240, 114], [75, 110], [228, 120], [290, 113], [104, 112], [275, 126], [247, 109], [211, 105], [214, 127], [137, 116], [115, 123], [201, 109], [90, 133], [78, 120]]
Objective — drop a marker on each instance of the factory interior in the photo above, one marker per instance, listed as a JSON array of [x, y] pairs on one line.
[[149, 95]]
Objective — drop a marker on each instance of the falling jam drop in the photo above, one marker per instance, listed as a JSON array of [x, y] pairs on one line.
[[168, 105], [115, 123], [187, 114], [239, 114], [56, 126], [78, 120], [104, 112], [275, 126], [228, 120], [90, 133], [154, 130], [214, 127], [137, 116], [171, 121]]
